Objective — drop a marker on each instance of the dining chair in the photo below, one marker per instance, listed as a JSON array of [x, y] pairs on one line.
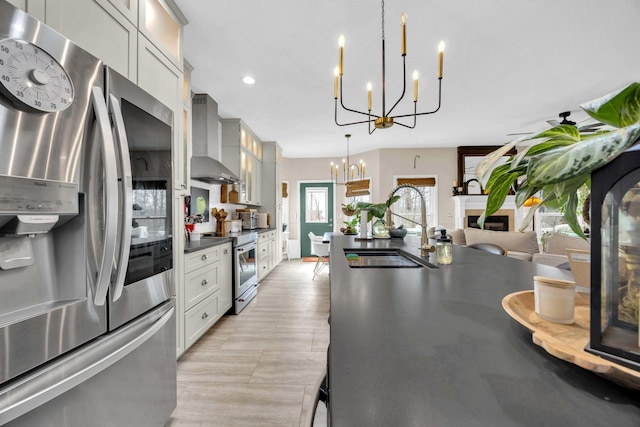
[[321, 250], [285, 244], [488, 247]]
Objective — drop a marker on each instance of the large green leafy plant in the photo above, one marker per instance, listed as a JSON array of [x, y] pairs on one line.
[[558, 161], [376, 210]]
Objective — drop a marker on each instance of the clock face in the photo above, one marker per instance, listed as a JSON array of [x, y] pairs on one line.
[[34, 78]]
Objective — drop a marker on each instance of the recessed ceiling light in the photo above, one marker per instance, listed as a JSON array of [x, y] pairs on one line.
[[248, 80]]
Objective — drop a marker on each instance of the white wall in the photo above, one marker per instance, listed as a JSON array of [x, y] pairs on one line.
[[381, 167]]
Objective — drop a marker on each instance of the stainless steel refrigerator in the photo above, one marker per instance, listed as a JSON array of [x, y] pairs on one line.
[[87, 317]]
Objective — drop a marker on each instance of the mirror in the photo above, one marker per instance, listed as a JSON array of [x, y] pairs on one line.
[[469, 157]]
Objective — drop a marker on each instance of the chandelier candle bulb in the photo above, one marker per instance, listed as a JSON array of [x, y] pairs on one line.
[[369, 88], [363, 170], [415, 86], [384, 118], [403, 23], [440, 58], [341, 44]]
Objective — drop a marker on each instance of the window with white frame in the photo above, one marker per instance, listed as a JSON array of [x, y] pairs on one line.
[[406, 211]]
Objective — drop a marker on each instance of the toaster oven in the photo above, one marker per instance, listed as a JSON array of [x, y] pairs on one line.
[[249, 220]]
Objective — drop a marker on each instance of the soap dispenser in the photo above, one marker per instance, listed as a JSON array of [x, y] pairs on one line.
[[443, 248]]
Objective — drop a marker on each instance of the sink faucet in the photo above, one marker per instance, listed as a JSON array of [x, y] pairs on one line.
[[425, 248]]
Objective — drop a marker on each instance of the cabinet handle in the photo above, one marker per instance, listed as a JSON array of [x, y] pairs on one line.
[[205, 315], [165, 268], [204, 257], [204, 282], [226, 251], [164, 249]]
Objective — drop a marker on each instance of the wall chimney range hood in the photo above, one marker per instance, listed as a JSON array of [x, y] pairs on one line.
[[204, 163], [208, 169]]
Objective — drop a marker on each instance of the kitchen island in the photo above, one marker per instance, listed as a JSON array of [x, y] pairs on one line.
[[434, 347]]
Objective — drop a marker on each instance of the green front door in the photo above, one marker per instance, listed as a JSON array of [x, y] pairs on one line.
[[316, 212]]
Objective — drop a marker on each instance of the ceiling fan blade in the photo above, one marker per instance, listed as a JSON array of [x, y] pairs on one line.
[[521, 133], [553, 122]]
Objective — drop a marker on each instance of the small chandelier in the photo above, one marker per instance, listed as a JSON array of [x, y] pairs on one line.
[[350, 171], [386, 120]]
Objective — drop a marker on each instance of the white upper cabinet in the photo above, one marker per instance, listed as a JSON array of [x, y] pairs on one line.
[[162, 22], [98, 27], [242, 154]]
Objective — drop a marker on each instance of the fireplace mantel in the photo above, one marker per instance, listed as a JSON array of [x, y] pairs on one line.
[[479, 202]]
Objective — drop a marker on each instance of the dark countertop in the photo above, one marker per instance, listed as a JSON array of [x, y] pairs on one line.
[[205, 242], [434, 347], [263, 230]]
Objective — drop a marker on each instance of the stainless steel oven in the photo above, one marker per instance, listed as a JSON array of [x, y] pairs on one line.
[[245, 284]]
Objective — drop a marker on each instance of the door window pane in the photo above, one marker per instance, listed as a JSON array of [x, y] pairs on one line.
[[316, 204]]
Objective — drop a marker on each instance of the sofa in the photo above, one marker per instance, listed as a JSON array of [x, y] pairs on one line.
[[524, 245], [555, 246], [518, 245]]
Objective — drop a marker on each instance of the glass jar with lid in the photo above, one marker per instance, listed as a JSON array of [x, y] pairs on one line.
[[444, 250]]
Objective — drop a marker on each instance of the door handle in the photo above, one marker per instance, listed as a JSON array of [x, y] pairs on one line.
[[127, 195], [102, 131]]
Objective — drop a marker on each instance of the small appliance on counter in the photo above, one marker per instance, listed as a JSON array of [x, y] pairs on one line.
[[263, 221], [233, 226], [249, 220]]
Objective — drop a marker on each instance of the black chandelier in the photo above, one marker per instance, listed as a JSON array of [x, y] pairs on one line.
[[386, 120], [349, 170]]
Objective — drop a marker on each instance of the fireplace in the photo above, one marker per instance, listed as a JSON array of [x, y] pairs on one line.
[[469, 208], [494, 222]]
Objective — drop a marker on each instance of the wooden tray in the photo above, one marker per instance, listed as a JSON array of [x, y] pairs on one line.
[[567, 342]]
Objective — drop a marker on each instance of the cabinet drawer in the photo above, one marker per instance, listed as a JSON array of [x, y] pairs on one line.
[[200, 318], [263, 237], [264, 268], [200, 283], [202, 258], [263, 250]]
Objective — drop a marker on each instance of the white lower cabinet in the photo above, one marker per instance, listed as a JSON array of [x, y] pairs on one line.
[[264, 258], [200, 318], [207, 290], [268, 253]]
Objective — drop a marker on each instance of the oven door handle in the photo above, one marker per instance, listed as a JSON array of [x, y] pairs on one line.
[[127, 196], [102, 130], [246, 248]]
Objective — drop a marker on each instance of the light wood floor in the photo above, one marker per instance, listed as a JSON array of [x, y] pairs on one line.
[[261, 367]]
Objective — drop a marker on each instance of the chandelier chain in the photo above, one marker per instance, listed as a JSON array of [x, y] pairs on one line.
[[382, 19]]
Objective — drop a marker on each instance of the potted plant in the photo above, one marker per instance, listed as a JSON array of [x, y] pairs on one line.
[[377, 210], [559, 161], [350, 226], [349, 209]]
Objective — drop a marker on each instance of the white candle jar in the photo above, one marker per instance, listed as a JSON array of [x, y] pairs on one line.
[[555, 299]]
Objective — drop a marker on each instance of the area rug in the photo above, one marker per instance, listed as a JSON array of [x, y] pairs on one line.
[[314, 259]]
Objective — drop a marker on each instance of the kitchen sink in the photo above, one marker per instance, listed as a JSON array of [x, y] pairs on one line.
[[382, 258]]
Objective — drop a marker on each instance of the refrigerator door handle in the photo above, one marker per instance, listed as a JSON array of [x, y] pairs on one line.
[[127, 193], [103, 128], [75, 369]]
